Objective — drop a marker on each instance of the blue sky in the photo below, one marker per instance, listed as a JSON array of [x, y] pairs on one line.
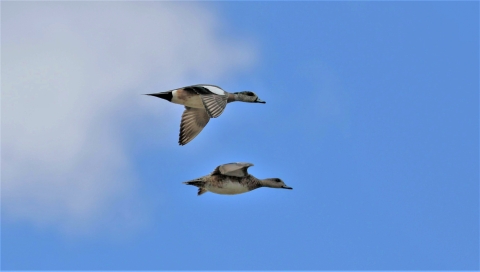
[[371, 116]]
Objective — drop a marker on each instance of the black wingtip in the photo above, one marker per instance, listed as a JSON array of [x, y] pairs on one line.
[[182, 142]]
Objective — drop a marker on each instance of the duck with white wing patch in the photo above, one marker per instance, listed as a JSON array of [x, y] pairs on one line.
[[202, 102]]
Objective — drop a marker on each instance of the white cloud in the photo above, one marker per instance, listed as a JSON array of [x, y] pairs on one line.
[[69, 71]]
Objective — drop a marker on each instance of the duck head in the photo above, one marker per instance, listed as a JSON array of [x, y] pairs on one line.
[[248, 96], [275, 183]]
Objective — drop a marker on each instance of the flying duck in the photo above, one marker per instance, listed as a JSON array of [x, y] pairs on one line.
[[202, 102], [232, 179]]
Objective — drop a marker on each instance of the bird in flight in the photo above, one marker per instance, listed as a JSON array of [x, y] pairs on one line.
[[232, 179], [202, 102]]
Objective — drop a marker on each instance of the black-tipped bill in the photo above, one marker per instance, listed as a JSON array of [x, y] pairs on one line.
[[260, 101], [166, 95], [286, 187]]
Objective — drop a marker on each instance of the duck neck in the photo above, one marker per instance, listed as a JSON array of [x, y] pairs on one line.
[[231, 97], [253, 183], [265, 183]]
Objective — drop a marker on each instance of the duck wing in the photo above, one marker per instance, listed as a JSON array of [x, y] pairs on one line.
[[193, 121], [213, 97], [214, 104], [236, 169]]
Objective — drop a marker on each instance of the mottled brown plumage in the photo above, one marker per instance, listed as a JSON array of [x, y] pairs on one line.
[[233, 178]]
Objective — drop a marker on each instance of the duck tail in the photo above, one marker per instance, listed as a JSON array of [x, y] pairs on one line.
[[201, 191], [164, 95], [195, 182], [199, 183]]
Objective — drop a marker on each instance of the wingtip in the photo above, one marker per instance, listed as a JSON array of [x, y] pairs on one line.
[[182, 143]]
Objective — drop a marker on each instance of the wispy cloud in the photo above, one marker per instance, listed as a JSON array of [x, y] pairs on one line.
[[69, 70]]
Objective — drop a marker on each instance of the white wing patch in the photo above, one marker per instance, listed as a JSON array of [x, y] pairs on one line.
[[214, 89]]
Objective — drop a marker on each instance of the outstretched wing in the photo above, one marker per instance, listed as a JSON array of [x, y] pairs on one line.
[[193, 121], [236, 169], [214, 104], [213, 97]]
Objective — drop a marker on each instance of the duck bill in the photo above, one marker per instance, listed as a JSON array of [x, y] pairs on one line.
[[260, 101], [286, 187]]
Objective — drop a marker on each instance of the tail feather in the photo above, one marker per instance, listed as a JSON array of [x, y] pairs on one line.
[[164, 95], [201, 191], [199, 184]]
